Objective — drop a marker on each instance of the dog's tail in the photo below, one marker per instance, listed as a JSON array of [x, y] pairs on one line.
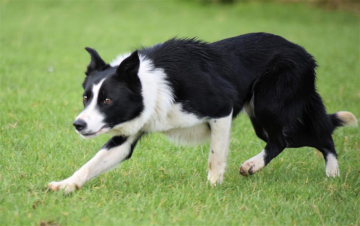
[[343, 118]]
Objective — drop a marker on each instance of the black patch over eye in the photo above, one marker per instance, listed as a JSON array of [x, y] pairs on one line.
[[107, 101]]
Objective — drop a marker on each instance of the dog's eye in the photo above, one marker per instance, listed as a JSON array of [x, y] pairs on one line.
[[107, 101], [85, 98]]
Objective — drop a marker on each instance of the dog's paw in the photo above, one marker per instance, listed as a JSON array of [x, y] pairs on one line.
[[67, 185], [253, 165], [333, 172], [216, 173], [249, 168]]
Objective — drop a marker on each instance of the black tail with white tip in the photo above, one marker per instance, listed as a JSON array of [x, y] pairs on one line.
[[343, 118]]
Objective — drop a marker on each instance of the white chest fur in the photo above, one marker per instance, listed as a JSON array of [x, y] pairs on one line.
[[160, 113]]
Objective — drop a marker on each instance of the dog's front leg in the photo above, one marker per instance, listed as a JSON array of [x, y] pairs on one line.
[[116, 150], [219, 148]]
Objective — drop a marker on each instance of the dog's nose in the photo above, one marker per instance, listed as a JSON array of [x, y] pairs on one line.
[[79, 124]]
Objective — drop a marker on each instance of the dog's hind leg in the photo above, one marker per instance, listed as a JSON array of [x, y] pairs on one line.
[[116, 150], [219, 147], [327, 148]]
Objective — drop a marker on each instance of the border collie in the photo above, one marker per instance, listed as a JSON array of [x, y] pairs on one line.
[[192, 90]]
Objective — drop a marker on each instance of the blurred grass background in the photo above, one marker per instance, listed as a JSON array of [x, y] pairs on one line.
[[344, 5], [42, 60]]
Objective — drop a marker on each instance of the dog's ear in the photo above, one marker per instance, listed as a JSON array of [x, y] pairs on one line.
[[129, 66], [96, 63], [128, 71]]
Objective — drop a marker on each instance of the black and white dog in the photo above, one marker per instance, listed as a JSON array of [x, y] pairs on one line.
[[192, 90]]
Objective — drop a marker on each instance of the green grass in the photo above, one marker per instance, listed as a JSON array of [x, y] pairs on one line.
[[41, 69]]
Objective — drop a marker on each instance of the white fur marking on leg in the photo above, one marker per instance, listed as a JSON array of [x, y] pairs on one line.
[[332, 166], [103, 161], [219, 147], [254, 164]]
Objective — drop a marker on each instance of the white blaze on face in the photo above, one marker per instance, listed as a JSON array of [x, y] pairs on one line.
[[91, 115]]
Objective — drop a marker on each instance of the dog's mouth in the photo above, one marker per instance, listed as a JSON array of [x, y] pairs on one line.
[[103, 129], [88, 134]]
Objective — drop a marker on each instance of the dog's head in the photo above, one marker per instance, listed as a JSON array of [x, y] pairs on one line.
[[112, 95]]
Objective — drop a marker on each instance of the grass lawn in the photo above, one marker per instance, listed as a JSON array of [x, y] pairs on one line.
[[42, 66]]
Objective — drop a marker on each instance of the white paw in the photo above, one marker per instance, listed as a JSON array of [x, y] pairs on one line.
[[333, 172], [253, 165], [247, 168], [68, 185], [216, 173], [332, 166]]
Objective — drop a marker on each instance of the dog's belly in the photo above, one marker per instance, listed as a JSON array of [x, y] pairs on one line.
[[176, 118], [190, 135]]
